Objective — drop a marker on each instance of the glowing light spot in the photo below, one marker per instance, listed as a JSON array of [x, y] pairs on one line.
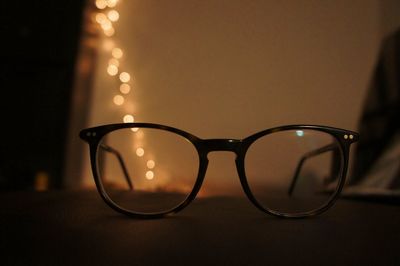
[[135, 129], [100, 18], [117, 53], [351, 137], [139, 152], [129, 119], [113, 15], [112, 70], [101, 4], [149, 175], [114, 62], [109, 32], [300, 133], [118, 100], [42, 181], [106, 25], [124, 77], [111, 3], [151, 164], [346, 136], [125, 88], [108, 45]]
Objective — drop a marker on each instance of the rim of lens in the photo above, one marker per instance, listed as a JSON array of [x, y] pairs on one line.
[[151, 213], [328, 202]]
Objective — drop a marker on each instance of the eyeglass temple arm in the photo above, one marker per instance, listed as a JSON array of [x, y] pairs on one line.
[[121, 162], [329, 147]]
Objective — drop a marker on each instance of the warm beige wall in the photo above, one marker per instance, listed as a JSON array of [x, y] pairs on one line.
[[230, 68], [389, 15]]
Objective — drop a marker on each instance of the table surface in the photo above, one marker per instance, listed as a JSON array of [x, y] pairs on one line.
[[77, 227]]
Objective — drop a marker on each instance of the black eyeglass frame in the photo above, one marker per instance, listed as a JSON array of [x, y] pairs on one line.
[[344, 138]]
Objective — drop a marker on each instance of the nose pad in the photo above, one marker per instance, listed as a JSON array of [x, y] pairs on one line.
[[221, 177]]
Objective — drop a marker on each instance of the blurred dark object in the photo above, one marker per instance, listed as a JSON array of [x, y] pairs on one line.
[[380, 120], [38, 50]]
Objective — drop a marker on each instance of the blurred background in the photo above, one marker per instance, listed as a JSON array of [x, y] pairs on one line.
[[216, 69]]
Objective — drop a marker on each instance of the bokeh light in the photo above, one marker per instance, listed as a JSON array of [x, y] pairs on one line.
[[125, 88], [111, 3], [151, 164], [118, 100], [108, 45], [106, 25], [109, 32], [114, 62], [117, 53], [113, 15], [112, 70], [140, 152], [101, 4], [149, 175], [125, 77], [128, 119], [100, 18]]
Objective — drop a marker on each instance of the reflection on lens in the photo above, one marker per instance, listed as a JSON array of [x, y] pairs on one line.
[[161, 167], [294, 171]]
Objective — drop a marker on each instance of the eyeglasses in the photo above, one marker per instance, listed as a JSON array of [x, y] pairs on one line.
[[149, 171]]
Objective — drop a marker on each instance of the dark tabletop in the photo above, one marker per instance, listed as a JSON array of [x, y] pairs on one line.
[[59, 227]]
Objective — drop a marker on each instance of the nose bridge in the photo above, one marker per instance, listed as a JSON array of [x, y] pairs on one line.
[[211, 145]]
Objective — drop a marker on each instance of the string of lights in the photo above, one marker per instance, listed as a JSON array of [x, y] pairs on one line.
[[106, 16]]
